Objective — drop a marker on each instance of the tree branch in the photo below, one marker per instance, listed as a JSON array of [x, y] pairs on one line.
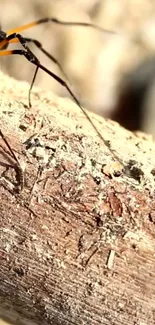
[[77, 244]]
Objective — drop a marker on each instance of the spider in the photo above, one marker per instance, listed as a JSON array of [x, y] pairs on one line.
[[14, 36]]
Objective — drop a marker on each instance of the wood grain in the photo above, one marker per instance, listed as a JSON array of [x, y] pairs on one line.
[[77, 244]]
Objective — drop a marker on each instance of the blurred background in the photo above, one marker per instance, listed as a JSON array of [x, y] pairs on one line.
[[112, 74]]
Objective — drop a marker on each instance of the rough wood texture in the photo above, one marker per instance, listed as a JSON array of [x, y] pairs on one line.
[[77, 244]]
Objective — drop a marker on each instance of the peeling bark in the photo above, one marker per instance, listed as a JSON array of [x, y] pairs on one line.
[[77, 244]]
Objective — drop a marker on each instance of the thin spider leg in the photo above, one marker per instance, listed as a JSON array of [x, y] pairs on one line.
[[7, 41], [31, 86], [51, 57], [59, 22], [19, 171], [9, 147], [39, 46], [33, 59]]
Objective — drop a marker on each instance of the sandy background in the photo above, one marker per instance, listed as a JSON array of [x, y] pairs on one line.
[[95, 63]]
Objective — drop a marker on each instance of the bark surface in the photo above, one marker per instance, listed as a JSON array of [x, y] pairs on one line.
[[77, 244]]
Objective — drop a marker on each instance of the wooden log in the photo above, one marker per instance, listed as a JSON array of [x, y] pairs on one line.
[[77, 244]]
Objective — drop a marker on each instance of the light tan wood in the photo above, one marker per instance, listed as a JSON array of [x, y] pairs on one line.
[[77, 244]]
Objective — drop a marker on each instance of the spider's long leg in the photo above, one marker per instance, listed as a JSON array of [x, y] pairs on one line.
[[9, 147], [27, 53], [18, 168], [59, 22], [9, 40], [31, 86], [39, 45], [51, 57]]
